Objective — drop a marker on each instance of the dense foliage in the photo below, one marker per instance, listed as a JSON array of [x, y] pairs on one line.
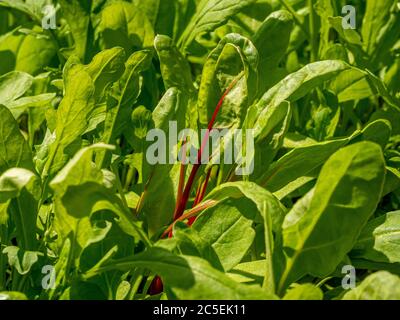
[[84, 215]]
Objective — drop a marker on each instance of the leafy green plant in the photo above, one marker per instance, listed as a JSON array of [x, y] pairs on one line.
[[84, 215]]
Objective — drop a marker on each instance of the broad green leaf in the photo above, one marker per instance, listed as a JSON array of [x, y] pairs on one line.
[[189, 242], [73, 115], [175, 69], [269, 209], [225, 64], [105, 69], [123, 96], [299, 162], [209, 15], [292, 88], [31, 8], [380, 285], [124, 24], [347, 192], [228, 230], [271, 41], [186, 277], [80, 178], [351, 85], [376, 16], [13, 85], [269, 134], [26, 52], [249, 272], [14, 150], [12, 184], [77, 14], [380, 239], [24, 104], [378, 131], [298, 84], [388, 36], [349, 35], [162, 179]]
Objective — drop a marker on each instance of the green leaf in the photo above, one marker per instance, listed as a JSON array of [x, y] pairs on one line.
[[73, 114], [233, 55], [175, 69], [209, 15], [271, 41], [299, 162], [80, 178], [305, 291], [124, 24], [162, 179], [190, 243], [187, 277], [12, 295], [347, 192], [31, 8], [269, 134], [298, 84], [77, 14], [269, 209], [21, 260], [380, 239], [228, 230], [13, 85], [349, 35], [378, 131], [252, 272], [105, 69], [14, 150], [18, 107], [12, 184], [376, 16], [26, 52], [380, 285], [123, 96]]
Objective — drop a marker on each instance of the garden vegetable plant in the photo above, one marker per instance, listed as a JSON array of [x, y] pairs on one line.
[[84, 215]]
